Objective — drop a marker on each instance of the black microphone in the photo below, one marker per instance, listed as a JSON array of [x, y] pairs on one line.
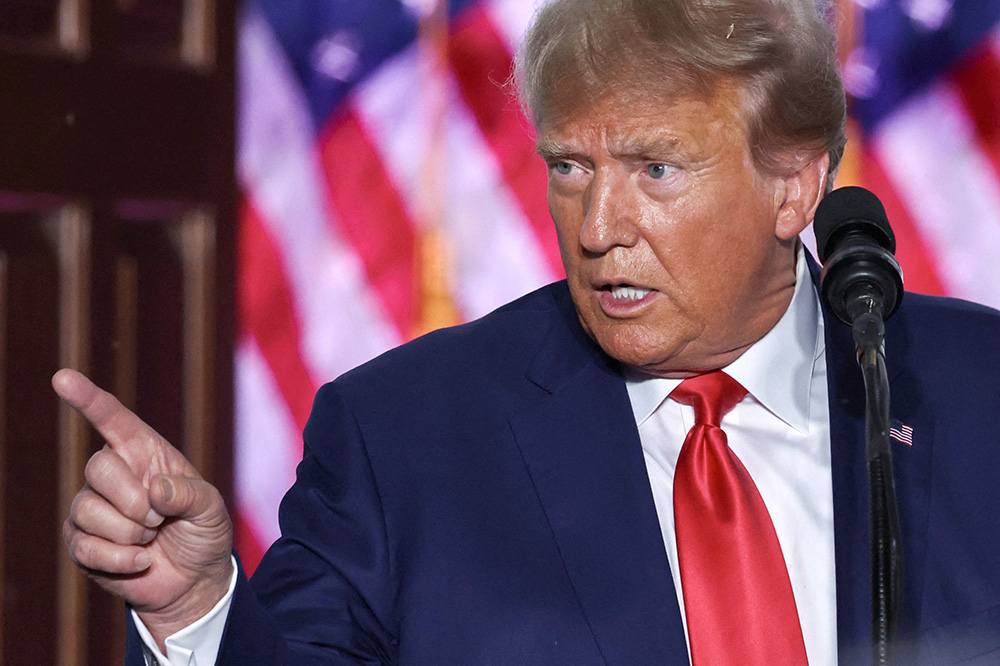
[[863, 285], [856, 244]]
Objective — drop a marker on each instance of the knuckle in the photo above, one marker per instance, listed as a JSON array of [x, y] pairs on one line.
[[77, 548], [97, 556], [94, 516], [199, 495], [152, 441], [88, 511], [86, 549], [107, 478], [190, 492], [78, 509], [67, 534], [98, 467]]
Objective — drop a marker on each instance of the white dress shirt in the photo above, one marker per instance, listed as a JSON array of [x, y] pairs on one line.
[[781, 434], [195, 644]]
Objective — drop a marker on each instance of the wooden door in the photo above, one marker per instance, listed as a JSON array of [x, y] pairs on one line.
[[117, 235]]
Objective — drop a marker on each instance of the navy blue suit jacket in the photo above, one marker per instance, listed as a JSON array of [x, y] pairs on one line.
[[479, 497]]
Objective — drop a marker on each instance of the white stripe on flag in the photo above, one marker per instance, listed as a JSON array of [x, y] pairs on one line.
[[279, 166], [512, 18], [269, 444], [495, 253], [930, 152], [903, 434]]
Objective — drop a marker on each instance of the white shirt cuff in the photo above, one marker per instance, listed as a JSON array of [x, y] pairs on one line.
[[196, 644]]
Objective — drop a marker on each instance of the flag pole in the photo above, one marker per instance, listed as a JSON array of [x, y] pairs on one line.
[[434, 270]]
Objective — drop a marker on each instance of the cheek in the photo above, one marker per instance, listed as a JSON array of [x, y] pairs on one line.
[[683, 235], [736, 225], [705, 245], [567, 223]]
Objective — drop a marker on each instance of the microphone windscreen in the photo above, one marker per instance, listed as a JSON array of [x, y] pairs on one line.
[[851, 209]]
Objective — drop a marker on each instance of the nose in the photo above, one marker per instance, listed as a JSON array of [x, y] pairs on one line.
[[609, 214]]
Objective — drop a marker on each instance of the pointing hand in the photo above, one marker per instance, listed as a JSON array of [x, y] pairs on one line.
[[145, 526]]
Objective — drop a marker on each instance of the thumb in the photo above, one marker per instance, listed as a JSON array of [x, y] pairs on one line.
[[187, 498]]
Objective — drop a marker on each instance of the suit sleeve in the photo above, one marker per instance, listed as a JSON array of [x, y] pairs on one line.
[[324, 592]]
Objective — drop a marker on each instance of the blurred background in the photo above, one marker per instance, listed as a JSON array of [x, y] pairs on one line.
[[214, 208]]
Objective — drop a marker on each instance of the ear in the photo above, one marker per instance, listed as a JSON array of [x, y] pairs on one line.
[[803, 191]]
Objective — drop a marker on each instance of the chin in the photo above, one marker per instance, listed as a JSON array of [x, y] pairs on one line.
[[630, 346]]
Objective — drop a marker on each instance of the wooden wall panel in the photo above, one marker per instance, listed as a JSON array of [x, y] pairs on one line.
[[45, 26], [31, 498], [4, 316], [43, 324], [153, 288], [73, 232], [117, 252], [195, 239], [165, 328]]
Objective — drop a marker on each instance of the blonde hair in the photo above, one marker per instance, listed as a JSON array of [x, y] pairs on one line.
[[782, 53]]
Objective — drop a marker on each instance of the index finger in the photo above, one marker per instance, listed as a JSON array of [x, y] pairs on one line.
[[118, 425]]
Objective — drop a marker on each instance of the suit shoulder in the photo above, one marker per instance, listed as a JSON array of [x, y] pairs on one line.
[[950, 321], [948, 336], [951, 307]]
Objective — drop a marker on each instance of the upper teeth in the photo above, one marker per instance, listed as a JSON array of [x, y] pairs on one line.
[[630, 293]]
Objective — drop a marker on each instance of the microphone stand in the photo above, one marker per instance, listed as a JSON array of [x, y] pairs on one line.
[[886, 543], [863, 285]]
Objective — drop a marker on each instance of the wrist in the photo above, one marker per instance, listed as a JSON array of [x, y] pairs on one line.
[[195, 604]]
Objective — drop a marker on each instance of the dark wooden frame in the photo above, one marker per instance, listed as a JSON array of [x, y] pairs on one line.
[[117, 251]]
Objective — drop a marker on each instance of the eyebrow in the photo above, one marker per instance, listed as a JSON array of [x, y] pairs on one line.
[[550, 149], [646, 146], [637, 147]]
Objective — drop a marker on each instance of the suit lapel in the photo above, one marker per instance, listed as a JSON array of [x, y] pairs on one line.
[[911, 470], [581, 447]]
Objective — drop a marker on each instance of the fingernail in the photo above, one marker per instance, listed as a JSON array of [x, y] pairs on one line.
[[143, 560], [167, 488], [147, 536], [153, 518]]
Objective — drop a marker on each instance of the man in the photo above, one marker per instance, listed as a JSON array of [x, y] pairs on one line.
[[518, 490]]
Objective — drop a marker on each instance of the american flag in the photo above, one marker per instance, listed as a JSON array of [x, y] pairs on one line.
[[390, 184], [901, 432]]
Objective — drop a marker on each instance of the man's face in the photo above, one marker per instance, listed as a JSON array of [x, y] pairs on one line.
[[670, 236]]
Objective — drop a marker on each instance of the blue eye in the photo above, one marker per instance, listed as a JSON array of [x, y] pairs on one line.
[[564, 167], [657, 170]]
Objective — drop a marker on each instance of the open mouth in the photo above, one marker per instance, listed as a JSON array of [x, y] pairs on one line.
[[626, 292]]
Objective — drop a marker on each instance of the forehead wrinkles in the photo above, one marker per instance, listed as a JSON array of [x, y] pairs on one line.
[[688, 127], [658, 142]]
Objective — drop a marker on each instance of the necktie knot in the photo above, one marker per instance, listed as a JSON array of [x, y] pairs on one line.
[[712, 395]]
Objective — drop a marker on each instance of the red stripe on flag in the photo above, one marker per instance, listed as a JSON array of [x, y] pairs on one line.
[[268, 315], [918, 270], [247, 543], [371, 217], [482, 63], [977, 78]]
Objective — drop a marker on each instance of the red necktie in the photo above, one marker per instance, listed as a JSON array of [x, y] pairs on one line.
[[737, 596]]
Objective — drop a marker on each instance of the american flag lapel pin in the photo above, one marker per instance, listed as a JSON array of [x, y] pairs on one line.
[[900, 432]]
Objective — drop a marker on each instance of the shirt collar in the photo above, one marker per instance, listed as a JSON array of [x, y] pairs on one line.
[[777, 370]]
